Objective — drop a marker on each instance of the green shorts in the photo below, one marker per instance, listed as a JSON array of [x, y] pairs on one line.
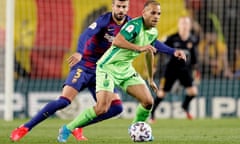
[[110, 76]]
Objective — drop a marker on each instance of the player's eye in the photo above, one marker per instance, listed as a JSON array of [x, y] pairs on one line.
[[119, 6], [155, 13]]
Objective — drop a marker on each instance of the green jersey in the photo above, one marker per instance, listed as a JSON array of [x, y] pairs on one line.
[[115, 66], [134, 32]]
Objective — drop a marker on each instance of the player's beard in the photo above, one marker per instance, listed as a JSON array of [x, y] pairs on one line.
[[119, 16], [154, 23]]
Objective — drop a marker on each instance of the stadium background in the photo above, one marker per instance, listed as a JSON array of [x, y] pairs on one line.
[[46, 33]]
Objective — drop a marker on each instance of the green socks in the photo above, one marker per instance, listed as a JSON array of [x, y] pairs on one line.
[[86, 116], [89, 114], [141, 114]]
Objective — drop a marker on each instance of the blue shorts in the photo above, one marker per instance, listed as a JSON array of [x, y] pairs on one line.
[[80, 79]]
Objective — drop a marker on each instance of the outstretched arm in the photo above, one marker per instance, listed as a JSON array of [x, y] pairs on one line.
[[161, 47]]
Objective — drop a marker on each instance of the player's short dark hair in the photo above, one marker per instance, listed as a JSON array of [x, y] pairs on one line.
[[154, 2], [119, 0]]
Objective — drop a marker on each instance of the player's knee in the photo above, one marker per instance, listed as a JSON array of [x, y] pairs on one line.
[[62, 102], [69, 92], [161, 94], [101, 109], [193, 91], [148, 104]]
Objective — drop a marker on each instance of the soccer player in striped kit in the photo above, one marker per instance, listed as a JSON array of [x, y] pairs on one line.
[[93, 42]]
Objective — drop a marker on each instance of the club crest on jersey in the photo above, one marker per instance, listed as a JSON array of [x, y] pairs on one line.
[[106, 83], [93, 25]]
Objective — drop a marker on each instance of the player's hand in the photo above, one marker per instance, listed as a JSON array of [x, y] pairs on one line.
[[148, 48], [74, 59], [153, 85], [180, 54]]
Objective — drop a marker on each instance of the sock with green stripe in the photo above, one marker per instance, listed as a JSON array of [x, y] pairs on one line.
[[84, 118], [141, 114]]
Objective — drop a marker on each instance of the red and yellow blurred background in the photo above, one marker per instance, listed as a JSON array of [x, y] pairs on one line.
[[46, 31]]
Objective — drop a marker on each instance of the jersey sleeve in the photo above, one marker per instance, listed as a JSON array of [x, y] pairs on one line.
[[161, 47], [130, 30], [92, 30]]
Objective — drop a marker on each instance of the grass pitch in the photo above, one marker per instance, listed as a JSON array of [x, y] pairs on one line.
[[167, 131]]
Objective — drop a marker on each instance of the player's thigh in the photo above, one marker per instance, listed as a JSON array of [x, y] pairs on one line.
[[136, 87], [193, 91], [141, 93], [75, 82], [186, 79], [104, 80], [166, 82], [104, 100], [92, 90], [170, 76], [69, 92]]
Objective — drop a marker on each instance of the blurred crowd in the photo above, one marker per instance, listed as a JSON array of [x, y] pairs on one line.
[[214, 23], [218, 31]]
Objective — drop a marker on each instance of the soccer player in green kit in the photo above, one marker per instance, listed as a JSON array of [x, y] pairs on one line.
[[115, 68]]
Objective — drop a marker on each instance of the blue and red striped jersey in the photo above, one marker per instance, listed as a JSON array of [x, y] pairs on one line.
[[96, 39]]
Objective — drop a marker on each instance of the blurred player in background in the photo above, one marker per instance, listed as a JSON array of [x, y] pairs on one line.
[[179, 70], [115, 68], [93, 42]]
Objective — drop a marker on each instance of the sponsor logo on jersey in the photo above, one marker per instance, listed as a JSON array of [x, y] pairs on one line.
[[109, 37], [93, 25], [110, 29]]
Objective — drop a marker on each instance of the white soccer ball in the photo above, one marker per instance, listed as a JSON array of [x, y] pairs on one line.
[[140, 132]]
